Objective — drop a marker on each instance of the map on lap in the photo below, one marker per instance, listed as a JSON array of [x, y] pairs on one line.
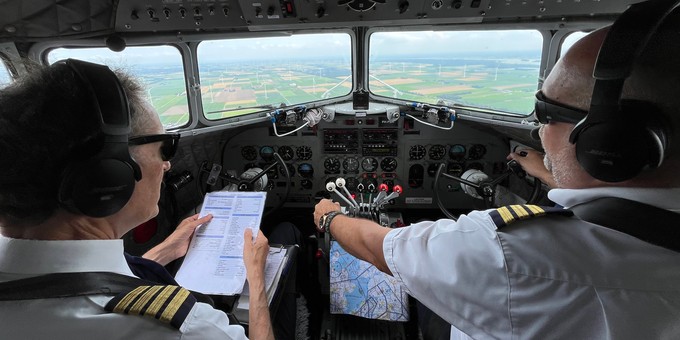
[[359, 288]]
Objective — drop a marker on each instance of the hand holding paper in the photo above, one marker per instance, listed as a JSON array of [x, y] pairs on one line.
[[214, 263], [255, 254]]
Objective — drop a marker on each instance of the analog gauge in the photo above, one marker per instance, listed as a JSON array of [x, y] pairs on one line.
[[437, 152], [388, 164], [272, 173], [389, 183], [351, 183], [304, 152], [369, 164], [286, 153], [457, 152], [415, 176], [267, 153], [350, 164], [454, 169], [291, 170], [332, 165], [306, 184], [477, 151], [306, 170], [416, 152], [432, 169], [249, 153]]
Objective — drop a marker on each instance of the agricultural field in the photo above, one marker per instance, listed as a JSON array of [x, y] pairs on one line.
[[231, 90], [505, 85]]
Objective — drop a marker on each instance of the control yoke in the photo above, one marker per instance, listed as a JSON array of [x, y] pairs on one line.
[[478, 184]]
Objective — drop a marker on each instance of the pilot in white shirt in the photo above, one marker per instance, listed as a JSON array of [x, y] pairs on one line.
[[75, 317]]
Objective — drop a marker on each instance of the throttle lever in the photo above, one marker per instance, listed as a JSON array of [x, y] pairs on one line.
[[330, 186], [384, 200], [340, 183]]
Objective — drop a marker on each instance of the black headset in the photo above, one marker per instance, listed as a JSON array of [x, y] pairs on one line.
[[619, 138], [103, 183]]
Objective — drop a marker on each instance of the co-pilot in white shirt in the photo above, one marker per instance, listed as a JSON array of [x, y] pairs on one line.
[[84, 317], [548, 277]]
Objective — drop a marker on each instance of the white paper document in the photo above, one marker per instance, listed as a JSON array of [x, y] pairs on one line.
[[214, 262]]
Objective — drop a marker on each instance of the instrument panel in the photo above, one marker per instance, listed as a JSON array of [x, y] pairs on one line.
[[368, 152]]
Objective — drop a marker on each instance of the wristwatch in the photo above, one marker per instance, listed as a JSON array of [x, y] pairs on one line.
[[325, 220]]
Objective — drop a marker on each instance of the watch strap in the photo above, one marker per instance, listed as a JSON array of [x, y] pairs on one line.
[[326, 219]]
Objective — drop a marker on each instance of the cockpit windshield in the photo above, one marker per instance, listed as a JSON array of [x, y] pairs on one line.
[[241, 76], [493, 69]]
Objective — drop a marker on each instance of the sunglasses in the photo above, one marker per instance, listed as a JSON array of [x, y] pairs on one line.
[[549, 111], [168, 148]]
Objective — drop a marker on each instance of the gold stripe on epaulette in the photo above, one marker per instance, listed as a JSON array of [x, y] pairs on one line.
[[174, 305], [509, 214], [155, 307], [129, 299], [139, 305], [505, 214], [168, 304], [536, 209], [520, 212]]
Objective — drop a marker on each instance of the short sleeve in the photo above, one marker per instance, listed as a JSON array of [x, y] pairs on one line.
[[455, 268]]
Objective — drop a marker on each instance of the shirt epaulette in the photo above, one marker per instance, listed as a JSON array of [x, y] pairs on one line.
[[169, 304], [511, 213]]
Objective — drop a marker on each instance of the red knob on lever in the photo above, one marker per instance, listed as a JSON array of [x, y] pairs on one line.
[[383, 187], [398, 189]]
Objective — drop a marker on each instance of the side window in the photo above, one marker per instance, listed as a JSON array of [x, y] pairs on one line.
[[491, 70], [569, 41], [5, 78], [158, 67]]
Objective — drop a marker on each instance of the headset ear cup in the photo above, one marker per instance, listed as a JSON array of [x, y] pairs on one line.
[[657, 136], [649, 120], [613, 152], [97, 188], [103, 183]]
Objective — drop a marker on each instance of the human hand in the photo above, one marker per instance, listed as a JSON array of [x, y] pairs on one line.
[[532, 162], [177, 244], [324, 206], [255, 254]]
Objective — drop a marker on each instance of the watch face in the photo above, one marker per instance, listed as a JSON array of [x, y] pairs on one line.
[[321, 222], [326, 219]]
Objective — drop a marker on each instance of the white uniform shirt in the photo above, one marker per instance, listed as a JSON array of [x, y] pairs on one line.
[[85, 317], [542, 278]]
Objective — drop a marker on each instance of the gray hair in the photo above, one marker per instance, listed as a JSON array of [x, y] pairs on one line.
[[47, 123]]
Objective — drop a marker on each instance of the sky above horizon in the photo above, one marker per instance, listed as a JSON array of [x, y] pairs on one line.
[[323, 46]]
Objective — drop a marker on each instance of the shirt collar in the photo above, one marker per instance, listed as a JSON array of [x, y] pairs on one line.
[[664, 198], [37, 257]]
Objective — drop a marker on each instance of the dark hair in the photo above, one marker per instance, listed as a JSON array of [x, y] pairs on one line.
[[46, 122]]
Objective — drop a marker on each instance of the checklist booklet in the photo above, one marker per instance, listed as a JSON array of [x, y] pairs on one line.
[[214, 263]]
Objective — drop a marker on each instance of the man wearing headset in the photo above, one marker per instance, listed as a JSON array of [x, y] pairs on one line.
[[49, 126], [554, 276]]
